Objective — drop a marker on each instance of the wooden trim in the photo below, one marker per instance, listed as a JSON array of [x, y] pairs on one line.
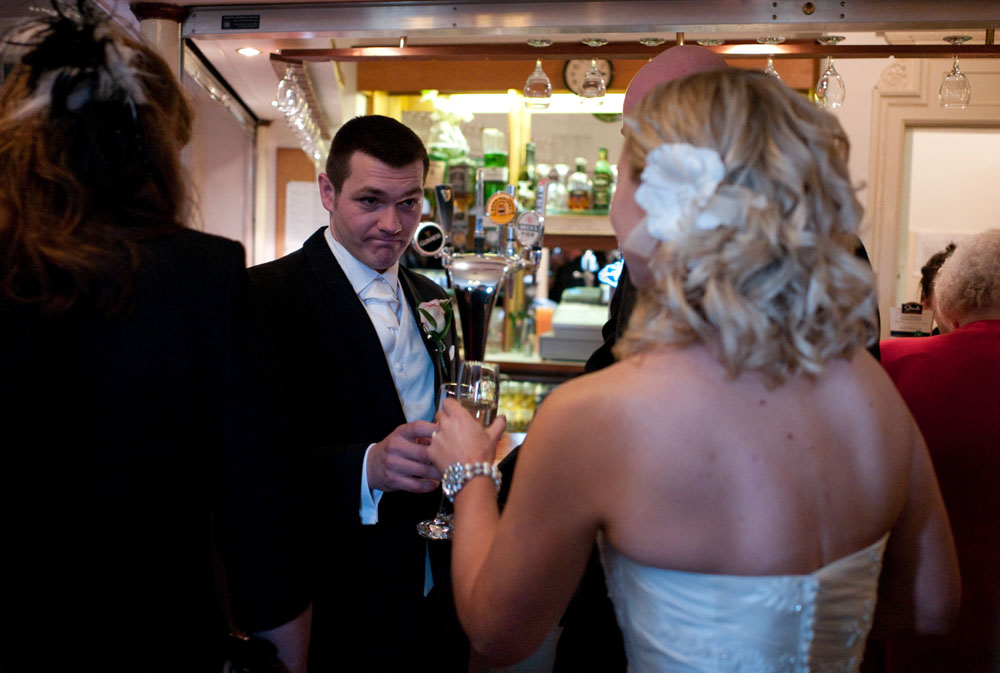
[[632, 50], [410, 77], [581, 241], [159, 10], [548, 370]]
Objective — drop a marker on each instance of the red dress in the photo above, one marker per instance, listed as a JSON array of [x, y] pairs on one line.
[[951, 383]]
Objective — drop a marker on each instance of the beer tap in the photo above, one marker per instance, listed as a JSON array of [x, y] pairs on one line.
[[476, 278]]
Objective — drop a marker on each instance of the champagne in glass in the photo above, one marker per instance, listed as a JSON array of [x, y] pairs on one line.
[[483, 386], [483, 411]]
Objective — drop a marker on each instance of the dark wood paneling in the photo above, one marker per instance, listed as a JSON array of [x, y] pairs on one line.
[[498, 76]]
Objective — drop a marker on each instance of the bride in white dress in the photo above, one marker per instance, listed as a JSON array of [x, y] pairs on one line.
[[747, 465]]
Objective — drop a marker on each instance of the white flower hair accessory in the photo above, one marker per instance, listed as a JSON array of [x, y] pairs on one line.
[[680, 192]]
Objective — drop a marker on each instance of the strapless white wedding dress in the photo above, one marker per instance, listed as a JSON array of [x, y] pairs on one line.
[[684, 622]]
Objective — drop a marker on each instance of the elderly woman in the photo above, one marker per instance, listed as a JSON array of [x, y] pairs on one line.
[[951, 383], [746, 463]]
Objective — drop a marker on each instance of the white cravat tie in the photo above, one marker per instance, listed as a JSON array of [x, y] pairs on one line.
[[382, 305]]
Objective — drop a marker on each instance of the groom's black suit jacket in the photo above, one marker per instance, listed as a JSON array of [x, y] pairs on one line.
[[369, 610]]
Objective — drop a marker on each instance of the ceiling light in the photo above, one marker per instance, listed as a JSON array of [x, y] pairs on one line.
[[651, 41], [540, 43], [594, 41], [248, 51]]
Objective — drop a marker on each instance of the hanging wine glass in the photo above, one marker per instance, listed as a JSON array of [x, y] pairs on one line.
[[287, 96], [830, 89], [955, 91], [593, 86], [537, 89], [773, 40]]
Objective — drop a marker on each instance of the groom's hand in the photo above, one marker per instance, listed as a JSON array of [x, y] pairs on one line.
[[400, 463]]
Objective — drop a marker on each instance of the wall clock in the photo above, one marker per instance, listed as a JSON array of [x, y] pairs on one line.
[[575, 69]]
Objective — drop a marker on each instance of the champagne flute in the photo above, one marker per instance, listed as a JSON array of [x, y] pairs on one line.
[[439, 528], [478, 391]]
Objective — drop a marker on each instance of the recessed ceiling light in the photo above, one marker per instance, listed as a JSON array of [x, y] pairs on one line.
[[248, 51]]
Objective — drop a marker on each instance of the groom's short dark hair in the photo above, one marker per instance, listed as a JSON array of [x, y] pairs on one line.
[[380, 137]]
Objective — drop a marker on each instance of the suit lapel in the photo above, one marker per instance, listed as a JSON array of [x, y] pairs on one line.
[[350, 328], [414, 297]]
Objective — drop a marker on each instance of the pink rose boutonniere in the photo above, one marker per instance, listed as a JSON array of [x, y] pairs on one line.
[[435, 321]]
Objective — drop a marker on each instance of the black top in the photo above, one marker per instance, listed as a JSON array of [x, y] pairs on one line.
[[121, 440]]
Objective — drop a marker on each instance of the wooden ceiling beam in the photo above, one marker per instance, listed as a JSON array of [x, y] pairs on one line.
[[624, 50]]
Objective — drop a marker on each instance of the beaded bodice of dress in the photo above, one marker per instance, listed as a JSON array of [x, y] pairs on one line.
[[684, 622]]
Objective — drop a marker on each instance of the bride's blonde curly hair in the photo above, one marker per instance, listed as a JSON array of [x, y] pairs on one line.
[[780, 293]]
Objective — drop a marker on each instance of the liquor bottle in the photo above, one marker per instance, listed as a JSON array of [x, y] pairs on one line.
[[579, 187], [462, 176], [527, 179], [558, 197], [602, 182], [437, 172], [495, 162]]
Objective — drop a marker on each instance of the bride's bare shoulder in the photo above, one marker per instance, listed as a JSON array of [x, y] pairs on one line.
[[666, 375]]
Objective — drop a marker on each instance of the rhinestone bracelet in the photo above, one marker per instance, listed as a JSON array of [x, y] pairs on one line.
[[457, 474]]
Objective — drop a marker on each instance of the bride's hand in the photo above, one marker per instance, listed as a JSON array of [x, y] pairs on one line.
[[461, 439]]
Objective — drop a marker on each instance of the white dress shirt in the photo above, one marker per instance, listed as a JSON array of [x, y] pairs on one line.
[[406, 356]]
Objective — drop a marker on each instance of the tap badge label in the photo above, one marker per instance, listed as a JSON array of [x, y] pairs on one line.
[[501, 208], [428, 239], [444, 192], [528, 228]]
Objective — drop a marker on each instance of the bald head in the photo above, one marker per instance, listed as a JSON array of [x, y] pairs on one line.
[[669, 65]]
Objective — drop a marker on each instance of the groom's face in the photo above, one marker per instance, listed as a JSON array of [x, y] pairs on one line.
[[376, 210]]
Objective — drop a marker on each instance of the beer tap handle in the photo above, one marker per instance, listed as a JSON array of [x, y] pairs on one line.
[[446, 212], [541, 198], [511, 250], [478, 241], [433, 239]]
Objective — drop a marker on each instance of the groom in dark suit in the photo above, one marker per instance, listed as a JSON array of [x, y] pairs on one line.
[[360, 375]]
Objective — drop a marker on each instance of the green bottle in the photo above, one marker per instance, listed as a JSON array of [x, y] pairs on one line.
[[494, 161], [601, 199]]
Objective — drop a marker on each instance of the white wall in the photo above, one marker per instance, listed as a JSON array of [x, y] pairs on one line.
[[220, 160], [860, 77], [950, 194]]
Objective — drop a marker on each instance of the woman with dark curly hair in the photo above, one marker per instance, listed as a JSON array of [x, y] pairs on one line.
[[747, 465], [928, 274], [138, 469]]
